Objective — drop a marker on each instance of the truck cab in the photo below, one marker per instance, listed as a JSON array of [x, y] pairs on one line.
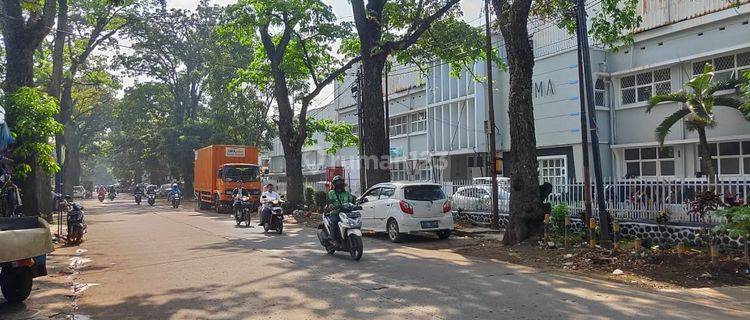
[[231, 175]]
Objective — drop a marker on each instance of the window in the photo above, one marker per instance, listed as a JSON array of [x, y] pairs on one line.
[[398, 126], [475, 162], [355, 129], [372, 195], [649, 162], [386, 193], [640, 87], [726, 67], [424, 193], [600, 93], [398, 171], [419, 121], [422, 172], [553, 169], [730, 158]]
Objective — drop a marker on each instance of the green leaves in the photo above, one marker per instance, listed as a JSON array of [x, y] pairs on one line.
[[31, 118], [337, 135]]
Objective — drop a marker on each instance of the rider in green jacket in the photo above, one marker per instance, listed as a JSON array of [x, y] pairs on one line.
[[336, 198]]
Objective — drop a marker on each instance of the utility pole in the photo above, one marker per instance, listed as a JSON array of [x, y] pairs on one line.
[[387, 110], [584, 138], [495, 222], [583, 43], [360, 131]]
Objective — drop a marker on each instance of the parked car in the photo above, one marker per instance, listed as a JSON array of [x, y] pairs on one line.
[[79, 192], [477, 198], [165, 189], [400, 208]]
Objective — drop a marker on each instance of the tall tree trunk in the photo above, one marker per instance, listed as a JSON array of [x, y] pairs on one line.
[[707, 165], [526, 211], [376, 149]]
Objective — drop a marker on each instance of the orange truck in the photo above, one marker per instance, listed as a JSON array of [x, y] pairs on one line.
[[219, 169]]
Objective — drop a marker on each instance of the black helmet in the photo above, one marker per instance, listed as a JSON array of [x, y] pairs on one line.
[[337, 179]]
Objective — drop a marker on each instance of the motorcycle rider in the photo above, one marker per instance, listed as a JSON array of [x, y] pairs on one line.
[[138, 189], [111, 190], [337, 197], [151, 189], [266, 200], [175, 190]]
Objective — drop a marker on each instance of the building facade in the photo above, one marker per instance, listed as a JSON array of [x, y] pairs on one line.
[[437, 121]]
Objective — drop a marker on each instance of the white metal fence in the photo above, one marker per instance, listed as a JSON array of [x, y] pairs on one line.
[[636, 200], [632, 199]]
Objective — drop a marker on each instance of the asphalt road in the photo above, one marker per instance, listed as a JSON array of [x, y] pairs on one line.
[[140, 262]]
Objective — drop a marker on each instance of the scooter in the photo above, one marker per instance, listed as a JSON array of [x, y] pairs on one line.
[[350, 228], [151, 198], [176, 200], [101, 197], [112, 196], [138, 197], [277, 217], [242, 205], [76, 223]]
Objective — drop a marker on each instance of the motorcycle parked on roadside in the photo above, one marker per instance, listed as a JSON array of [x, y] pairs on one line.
[[277, 217], [242, 205], [76, 222], [350, 232]]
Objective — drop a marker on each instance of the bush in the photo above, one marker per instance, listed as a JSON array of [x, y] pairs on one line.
[[321, 198], [309, 197], [559, 213]]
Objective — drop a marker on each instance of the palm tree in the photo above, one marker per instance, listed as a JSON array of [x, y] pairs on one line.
[[698, 110]]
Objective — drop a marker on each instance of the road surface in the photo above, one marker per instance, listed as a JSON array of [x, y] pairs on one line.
[[141, 262]]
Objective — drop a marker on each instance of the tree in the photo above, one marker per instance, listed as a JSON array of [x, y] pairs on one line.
[[92, 25], [697, 110], [24, 26], [337, 135], [396, 27], [292, 47], [526, 211]]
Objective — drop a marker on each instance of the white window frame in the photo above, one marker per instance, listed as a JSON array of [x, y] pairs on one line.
[[558, 181], [744, 154], [398, 126], [601, 91], [422, 172], [658, 159], [399, 172], [734, 72], [418, 121], [652, 84]]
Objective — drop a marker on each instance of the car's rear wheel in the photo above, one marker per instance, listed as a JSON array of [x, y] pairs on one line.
[[443, 234], [393, 232]]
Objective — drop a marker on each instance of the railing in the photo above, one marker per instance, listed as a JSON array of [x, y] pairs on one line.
[[635, 200]]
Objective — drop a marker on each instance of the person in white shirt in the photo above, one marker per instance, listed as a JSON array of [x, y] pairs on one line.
[[266, 199]]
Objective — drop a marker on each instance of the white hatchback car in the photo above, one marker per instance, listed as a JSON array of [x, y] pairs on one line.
[[404, 207]]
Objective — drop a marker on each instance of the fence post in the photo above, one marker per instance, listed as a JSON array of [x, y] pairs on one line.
[[616, 232], [547, 222]]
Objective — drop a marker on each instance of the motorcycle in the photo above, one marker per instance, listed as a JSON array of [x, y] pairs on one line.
[[350, 228], [112, 196], [138, 197], [242, 205], [101, 197], [151, 198], [277, 217], [76, 223], [176, 200]]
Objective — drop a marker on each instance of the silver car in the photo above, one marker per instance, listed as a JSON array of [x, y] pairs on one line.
[[476, 198]]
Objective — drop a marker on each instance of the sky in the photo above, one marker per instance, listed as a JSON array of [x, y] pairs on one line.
[[472, 10]]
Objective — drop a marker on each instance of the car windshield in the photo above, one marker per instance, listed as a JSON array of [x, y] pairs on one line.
[[240, 173], [424, 193]]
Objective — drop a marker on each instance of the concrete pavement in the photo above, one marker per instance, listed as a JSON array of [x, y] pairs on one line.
[[164, 263]]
